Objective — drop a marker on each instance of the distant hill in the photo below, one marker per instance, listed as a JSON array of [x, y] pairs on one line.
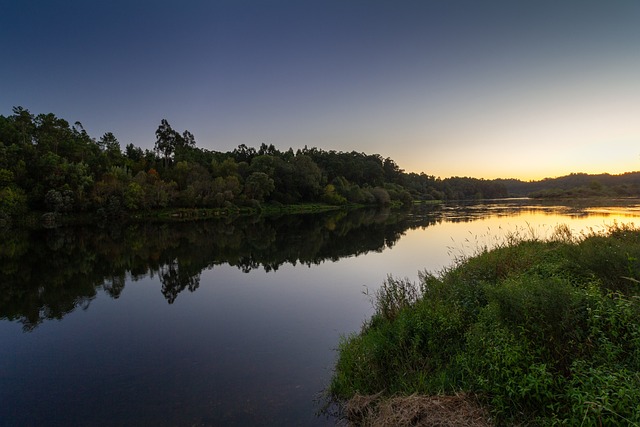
[[576, 185]]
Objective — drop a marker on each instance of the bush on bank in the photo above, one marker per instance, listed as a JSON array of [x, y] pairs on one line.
[[543, 332]]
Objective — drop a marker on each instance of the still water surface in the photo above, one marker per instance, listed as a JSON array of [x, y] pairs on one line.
[[219, 323]]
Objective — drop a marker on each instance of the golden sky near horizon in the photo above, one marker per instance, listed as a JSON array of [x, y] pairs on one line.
[[455, 88]]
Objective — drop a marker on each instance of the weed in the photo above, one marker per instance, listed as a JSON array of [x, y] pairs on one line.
[[393, 296], [543, 331]]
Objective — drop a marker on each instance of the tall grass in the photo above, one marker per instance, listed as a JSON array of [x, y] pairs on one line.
[[544, 331]]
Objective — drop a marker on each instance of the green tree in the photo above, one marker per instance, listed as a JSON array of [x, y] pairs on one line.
[[52, 133], [12, 201], [134, 197], [167, 140], [265, 163], [59, 201], [110, 145], [258, 186], [268, 150], [332, 197], [381, 196], [307, 177], [23, 125], [133, 153], [244, 153]]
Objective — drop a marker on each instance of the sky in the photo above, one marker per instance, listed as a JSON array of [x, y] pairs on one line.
[[487, 89]]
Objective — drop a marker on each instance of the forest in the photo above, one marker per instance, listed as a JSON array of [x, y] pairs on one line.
[[51, 167], [48, 165], [577, 185]]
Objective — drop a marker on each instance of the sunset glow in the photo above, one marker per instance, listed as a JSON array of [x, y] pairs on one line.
[[494, 89]]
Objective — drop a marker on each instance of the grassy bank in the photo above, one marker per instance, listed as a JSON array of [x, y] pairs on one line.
[[189, 214], [541, 332], [51, 219]]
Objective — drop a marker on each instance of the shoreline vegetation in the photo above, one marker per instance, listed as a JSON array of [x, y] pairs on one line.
[[532, 332], [51, 167], [54, 219]]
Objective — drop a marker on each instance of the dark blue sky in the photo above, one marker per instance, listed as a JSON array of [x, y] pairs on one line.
[[480, 88]]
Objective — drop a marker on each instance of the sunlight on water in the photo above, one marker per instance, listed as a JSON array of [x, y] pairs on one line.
[[464, 234]]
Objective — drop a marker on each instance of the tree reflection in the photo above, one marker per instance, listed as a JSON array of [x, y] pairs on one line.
[[114, 285], [175, 279], [45, 274]]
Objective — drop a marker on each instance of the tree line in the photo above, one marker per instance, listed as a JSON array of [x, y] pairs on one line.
[[49, 165], [578, 185]]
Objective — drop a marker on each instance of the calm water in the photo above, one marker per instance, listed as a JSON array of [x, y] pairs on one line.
[[218, 323]]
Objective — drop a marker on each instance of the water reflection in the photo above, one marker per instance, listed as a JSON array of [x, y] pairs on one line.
[[470, 211], [45, 274]]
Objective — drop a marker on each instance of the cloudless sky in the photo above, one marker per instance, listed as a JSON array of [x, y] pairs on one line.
[[524, 89]]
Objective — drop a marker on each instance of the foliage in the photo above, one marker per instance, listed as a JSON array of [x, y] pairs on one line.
[[577, 185], [43, 156], [12, 201], [545, 332]]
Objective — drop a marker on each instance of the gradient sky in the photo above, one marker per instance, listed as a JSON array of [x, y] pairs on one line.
[[524, 89]]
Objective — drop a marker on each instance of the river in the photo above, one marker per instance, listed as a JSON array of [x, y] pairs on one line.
[[229, 322]]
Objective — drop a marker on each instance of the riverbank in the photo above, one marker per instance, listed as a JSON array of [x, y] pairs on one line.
[[538, 331], [52, 219]]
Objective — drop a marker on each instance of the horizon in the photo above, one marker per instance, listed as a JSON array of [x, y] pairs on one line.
[[282, 149], [486, 90]]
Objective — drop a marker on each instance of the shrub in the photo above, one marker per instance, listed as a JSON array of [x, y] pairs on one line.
[[13, 201], [381, 196], [543, 332]]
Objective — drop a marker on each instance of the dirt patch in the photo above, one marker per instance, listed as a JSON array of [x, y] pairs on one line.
[[460, 410]]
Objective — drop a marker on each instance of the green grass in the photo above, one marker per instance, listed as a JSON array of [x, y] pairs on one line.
[[544, 332]]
